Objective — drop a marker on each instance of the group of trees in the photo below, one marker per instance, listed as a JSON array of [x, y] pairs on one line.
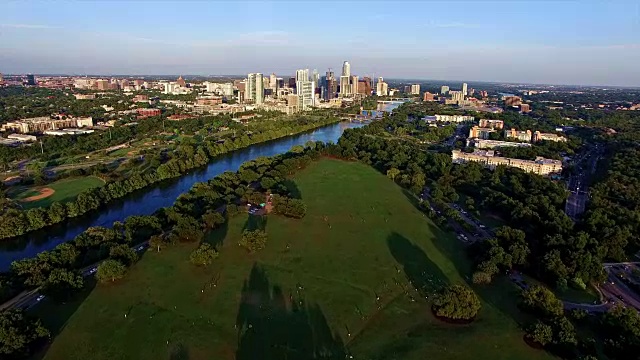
[[457, 302], [289, 207], [552, 329], [253, 240]]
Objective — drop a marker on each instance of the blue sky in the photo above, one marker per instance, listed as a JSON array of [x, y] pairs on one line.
[[564, 42]]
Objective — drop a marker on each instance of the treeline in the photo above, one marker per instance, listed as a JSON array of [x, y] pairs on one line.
[[15, 222]]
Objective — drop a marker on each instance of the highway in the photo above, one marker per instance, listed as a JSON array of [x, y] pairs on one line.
[[585, 167]]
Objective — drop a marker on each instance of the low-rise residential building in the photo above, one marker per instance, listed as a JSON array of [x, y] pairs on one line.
[[428, 96], [540, 166], [449, 118], [141, 98], [490, 123], [143, 113], [492, 144], [522, 135], [212, 100], [44, 123], [539, 136], [22, 137], [525, 108], [85, 96], [477, 132]]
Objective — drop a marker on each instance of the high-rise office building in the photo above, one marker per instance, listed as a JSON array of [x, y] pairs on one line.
[[464, 89], [273, 81], [457, 96], [315, 77], [302, 75], [306, 94], [382, 89], [345, 87], [255, 88], [31, 79], [346, 69], [415, 89], [444, 90], [354, 84], [279, 83], [292, 83], [332, 85]]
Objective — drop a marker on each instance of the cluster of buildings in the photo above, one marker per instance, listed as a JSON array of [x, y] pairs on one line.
[[479, 139], [46, 123], [540, 165], [486, 127], [448, 118]]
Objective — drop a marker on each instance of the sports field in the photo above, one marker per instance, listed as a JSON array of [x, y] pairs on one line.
[[63, 190], [335, 282]]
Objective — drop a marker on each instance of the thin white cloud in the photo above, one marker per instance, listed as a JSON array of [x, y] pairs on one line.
[[435, 24], [27, 26]]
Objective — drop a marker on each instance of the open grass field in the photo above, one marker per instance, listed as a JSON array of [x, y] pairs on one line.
[[64, 190], [340, 281]]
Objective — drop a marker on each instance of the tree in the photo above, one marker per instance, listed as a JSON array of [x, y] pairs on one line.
[[392, 173], [157, 241], [542, 301], [481, 277], [457, 302], [123, 253], [110, 270], [212, 219], [19, 333], [62, 282], [540, 333], [253, 240], [203, 255]]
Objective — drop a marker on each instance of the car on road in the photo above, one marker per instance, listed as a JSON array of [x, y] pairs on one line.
[[139, 248], [93, 270], [40, 298]]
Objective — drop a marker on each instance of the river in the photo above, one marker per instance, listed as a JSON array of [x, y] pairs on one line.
[[147, 201]]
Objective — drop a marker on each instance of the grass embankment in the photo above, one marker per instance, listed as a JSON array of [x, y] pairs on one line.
[[362, 239], [64, 190]]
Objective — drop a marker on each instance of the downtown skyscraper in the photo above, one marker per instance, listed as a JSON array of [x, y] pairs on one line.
[[345, 86], [305, 89], [254, 88]]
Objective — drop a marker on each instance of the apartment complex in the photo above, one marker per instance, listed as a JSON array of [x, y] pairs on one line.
[[524, 135], [449, 118], [45, 123], [477, 132], [540, 166], [415, 89], [539, 136], [489, 123], [492, 144]]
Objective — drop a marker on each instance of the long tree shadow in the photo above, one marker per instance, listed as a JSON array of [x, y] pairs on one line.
[[216, 236], [292, 187], [55, 314], [425, 276], [255, 222], [274, 326], [502, 298]]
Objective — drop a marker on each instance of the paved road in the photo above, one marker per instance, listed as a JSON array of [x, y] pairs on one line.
[[585, 167], [29, 298]]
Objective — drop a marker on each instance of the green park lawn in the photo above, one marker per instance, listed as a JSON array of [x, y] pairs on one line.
[[336, 279], [65, 190]]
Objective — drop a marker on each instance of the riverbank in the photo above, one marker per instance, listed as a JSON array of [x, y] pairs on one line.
[[17, 222], [161, 195]]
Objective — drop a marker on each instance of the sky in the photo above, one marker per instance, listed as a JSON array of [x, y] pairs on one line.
[[554, 42]]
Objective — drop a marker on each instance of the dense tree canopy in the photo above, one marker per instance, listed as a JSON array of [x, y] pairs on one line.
[[457, 302]]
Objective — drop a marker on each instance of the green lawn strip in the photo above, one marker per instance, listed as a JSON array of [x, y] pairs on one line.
[[65, 190], [347, 260]]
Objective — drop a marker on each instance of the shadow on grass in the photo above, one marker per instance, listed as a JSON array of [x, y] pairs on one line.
[[272, 326], [292, 187], [422, 273], [179, 352], [216, 236], [55, 315], [255, 222]]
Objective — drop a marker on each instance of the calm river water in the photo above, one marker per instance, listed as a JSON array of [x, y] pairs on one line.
[[147, 201]]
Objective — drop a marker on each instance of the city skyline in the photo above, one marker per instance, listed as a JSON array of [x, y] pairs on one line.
[[480, 41]]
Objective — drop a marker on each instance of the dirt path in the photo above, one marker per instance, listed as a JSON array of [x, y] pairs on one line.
[[44, 193]]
